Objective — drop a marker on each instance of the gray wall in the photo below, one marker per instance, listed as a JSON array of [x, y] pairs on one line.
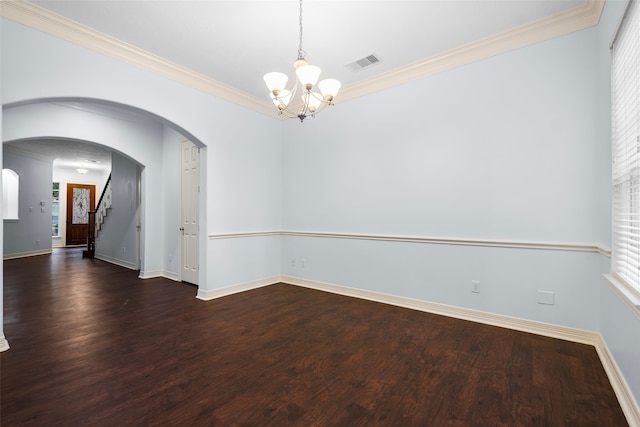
[[512, 148], [117, 241], [503, 149], [31, 234]]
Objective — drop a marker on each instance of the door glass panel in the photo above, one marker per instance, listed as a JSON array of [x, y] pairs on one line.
[[80, 206]]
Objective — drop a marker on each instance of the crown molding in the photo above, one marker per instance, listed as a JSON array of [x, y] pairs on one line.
[[41, 19], [578, 18]]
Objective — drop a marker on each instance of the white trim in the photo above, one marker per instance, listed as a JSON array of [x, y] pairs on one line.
[[518, 324], [578, 18], [207, 295], [560, 246], [4, 344], [619, 384], [625, 294], [41, 19], [245, 234], [171, 275], [159, 273], [27, 254], [117, 261], [150, 274]]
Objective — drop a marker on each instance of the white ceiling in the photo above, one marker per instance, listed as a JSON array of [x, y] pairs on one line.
[[237, 42], [66, 153]]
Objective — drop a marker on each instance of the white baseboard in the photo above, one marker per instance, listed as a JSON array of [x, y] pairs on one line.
[[4, 344], [27, 254], [620, 387], [150, 274], [117, 261], [242, 287], [170, 275], [515, 323], [159, 273]]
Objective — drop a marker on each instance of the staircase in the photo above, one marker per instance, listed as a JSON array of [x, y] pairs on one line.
[[97, 218]]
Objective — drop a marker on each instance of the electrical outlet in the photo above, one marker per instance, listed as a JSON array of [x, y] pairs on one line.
[[475, 286], [293, 262], [303, 262]]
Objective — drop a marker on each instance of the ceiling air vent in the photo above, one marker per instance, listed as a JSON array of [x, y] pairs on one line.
[[364, 62]]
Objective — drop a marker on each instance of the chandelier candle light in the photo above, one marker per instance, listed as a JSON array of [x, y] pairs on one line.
[[307, 75]]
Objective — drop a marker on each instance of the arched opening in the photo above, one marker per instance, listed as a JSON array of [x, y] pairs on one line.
[[143, 138]]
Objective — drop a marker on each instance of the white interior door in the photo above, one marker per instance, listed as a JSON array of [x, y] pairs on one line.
[[189, 194]]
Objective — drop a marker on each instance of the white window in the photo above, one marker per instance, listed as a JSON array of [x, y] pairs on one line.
[[10, 191], [625, 124]]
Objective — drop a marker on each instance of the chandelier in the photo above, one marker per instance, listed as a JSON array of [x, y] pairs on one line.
[[311, 102]]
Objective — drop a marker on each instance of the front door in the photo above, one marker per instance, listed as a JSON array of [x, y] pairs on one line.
[[80, 200], [189, 212]]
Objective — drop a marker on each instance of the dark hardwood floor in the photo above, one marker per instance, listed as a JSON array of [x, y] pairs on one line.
[[92, 345]]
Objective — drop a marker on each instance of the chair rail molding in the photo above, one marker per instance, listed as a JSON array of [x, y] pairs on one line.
[[560, 246]]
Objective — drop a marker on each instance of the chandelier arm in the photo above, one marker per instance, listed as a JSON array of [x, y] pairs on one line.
[[305, 105], [321, 99], [287, 110]]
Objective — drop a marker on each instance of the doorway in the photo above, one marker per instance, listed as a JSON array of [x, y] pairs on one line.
[[81, 198], [189, 211]]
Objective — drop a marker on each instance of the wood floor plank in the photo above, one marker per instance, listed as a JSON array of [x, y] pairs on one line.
[[93, 345]]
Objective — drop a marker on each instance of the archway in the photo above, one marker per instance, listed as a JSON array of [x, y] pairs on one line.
[[140, 136]]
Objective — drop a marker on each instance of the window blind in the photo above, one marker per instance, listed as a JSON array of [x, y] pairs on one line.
[[625, 127]]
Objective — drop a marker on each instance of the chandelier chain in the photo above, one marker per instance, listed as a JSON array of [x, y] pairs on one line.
[[300, 51]]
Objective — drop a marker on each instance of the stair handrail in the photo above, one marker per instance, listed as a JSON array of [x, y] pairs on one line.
[[91, 236], [104, 190]]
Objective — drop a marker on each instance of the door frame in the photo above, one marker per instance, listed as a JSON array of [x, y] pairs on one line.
[[180, 251], [69, 207]]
